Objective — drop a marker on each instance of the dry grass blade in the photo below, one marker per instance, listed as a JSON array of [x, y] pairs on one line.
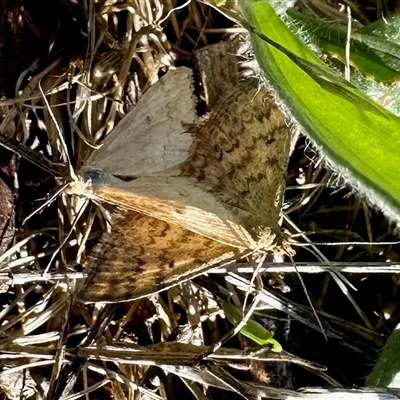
[[83, 69]]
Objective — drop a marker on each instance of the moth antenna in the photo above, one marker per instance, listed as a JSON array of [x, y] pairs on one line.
[[51, 197], [71, 171]]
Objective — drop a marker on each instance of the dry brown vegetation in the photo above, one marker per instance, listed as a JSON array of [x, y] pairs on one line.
[[68, 72]]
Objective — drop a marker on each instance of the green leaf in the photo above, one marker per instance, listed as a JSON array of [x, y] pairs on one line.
[[360, 141], [384, 28], [252, 330], [373, 56], [320, 73], [386, 372]]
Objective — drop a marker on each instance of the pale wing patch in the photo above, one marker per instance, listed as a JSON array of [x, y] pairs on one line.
[[178, 201], [151, 137], [143, 255]]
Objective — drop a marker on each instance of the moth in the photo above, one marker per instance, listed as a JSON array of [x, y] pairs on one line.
[[187, 196]]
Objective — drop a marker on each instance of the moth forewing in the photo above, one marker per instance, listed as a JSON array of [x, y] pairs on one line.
[[179, 201], [151, 137], [240, 155], [143, 255]]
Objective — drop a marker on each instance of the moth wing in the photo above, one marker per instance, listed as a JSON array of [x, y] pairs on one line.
[[143, 255], [177, 201], [247, 143], [151, 137]]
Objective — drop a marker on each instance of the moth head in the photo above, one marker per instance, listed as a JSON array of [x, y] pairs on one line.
[[87, 180], [277, 242], [266, 239], [80, 186], [96, 176]]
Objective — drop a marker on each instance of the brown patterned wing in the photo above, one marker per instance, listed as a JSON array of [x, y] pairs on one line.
[[241, 155], [143, 255]]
